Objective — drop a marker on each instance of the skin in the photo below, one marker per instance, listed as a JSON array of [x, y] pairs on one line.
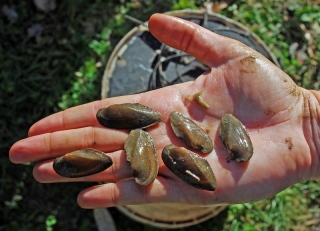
[[281, 118]]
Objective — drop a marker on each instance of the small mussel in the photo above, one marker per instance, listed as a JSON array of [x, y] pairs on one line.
[[190, 167], [199, 100], [142, 157], [190, 132], [81, 163], [235, 138], [128, 116]]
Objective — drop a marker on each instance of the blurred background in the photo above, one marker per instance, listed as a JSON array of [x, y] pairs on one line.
[[52, 57]]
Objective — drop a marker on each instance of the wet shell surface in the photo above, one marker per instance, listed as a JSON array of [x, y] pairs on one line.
[[235, 138], [190, 167], [128, 116], [142, 157], [193, 135], [81, 163]]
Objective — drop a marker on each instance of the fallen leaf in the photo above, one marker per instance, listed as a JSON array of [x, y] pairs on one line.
[[10, 13], [45, 5], [35, 30]]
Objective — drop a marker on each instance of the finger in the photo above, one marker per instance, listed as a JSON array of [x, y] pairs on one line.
[[163, 100], [76, 117], [231, 189], [162, 190], [119, 170], [51, 145], [208, 47]]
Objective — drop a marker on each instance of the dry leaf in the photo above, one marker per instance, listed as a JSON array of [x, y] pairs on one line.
[[45, 5], [35, 30], [10, 13]]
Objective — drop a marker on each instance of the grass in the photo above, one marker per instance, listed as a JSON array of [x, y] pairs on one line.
[[62, 67]]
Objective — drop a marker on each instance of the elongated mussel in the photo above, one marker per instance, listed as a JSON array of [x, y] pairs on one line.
[[190, 167], [81, 163], [128, 116], [235, 138], [191, 133], [141, 155]]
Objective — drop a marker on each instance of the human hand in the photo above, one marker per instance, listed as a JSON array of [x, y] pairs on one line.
[[281, 118]]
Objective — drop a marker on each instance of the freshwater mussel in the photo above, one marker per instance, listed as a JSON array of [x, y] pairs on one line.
[[128, 116], [81, 163], [235, 138], [141, 155], [191, 133], [190, 167], [197, 98]]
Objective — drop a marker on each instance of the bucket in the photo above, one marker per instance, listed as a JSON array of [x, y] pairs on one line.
[[170, 216], [141, 63]]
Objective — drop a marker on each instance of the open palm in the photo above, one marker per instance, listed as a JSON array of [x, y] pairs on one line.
[[281, 119]]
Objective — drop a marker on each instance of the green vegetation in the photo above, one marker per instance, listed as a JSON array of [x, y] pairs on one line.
[[60, 64]]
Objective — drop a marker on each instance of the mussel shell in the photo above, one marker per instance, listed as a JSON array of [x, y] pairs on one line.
[[142, 157], [235, 138], [81, 163], [128, 116], [193, 135], [190, 167], [199, 100]]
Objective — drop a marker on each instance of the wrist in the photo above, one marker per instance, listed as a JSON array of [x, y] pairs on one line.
[[311, 121]]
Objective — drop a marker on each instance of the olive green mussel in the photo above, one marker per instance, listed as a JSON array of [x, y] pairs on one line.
[[191, 133], [190, 167], [235, 138], [142, 157], [81, 163], [128, 116]]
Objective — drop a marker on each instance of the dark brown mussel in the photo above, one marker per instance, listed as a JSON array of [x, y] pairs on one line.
[[235, 138], [191, 133], [142, 157], [128, 116], [190, 167], [81, 163]]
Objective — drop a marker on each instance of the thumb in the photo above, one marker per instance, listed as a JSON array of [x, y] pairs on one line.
[[209, 48]]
